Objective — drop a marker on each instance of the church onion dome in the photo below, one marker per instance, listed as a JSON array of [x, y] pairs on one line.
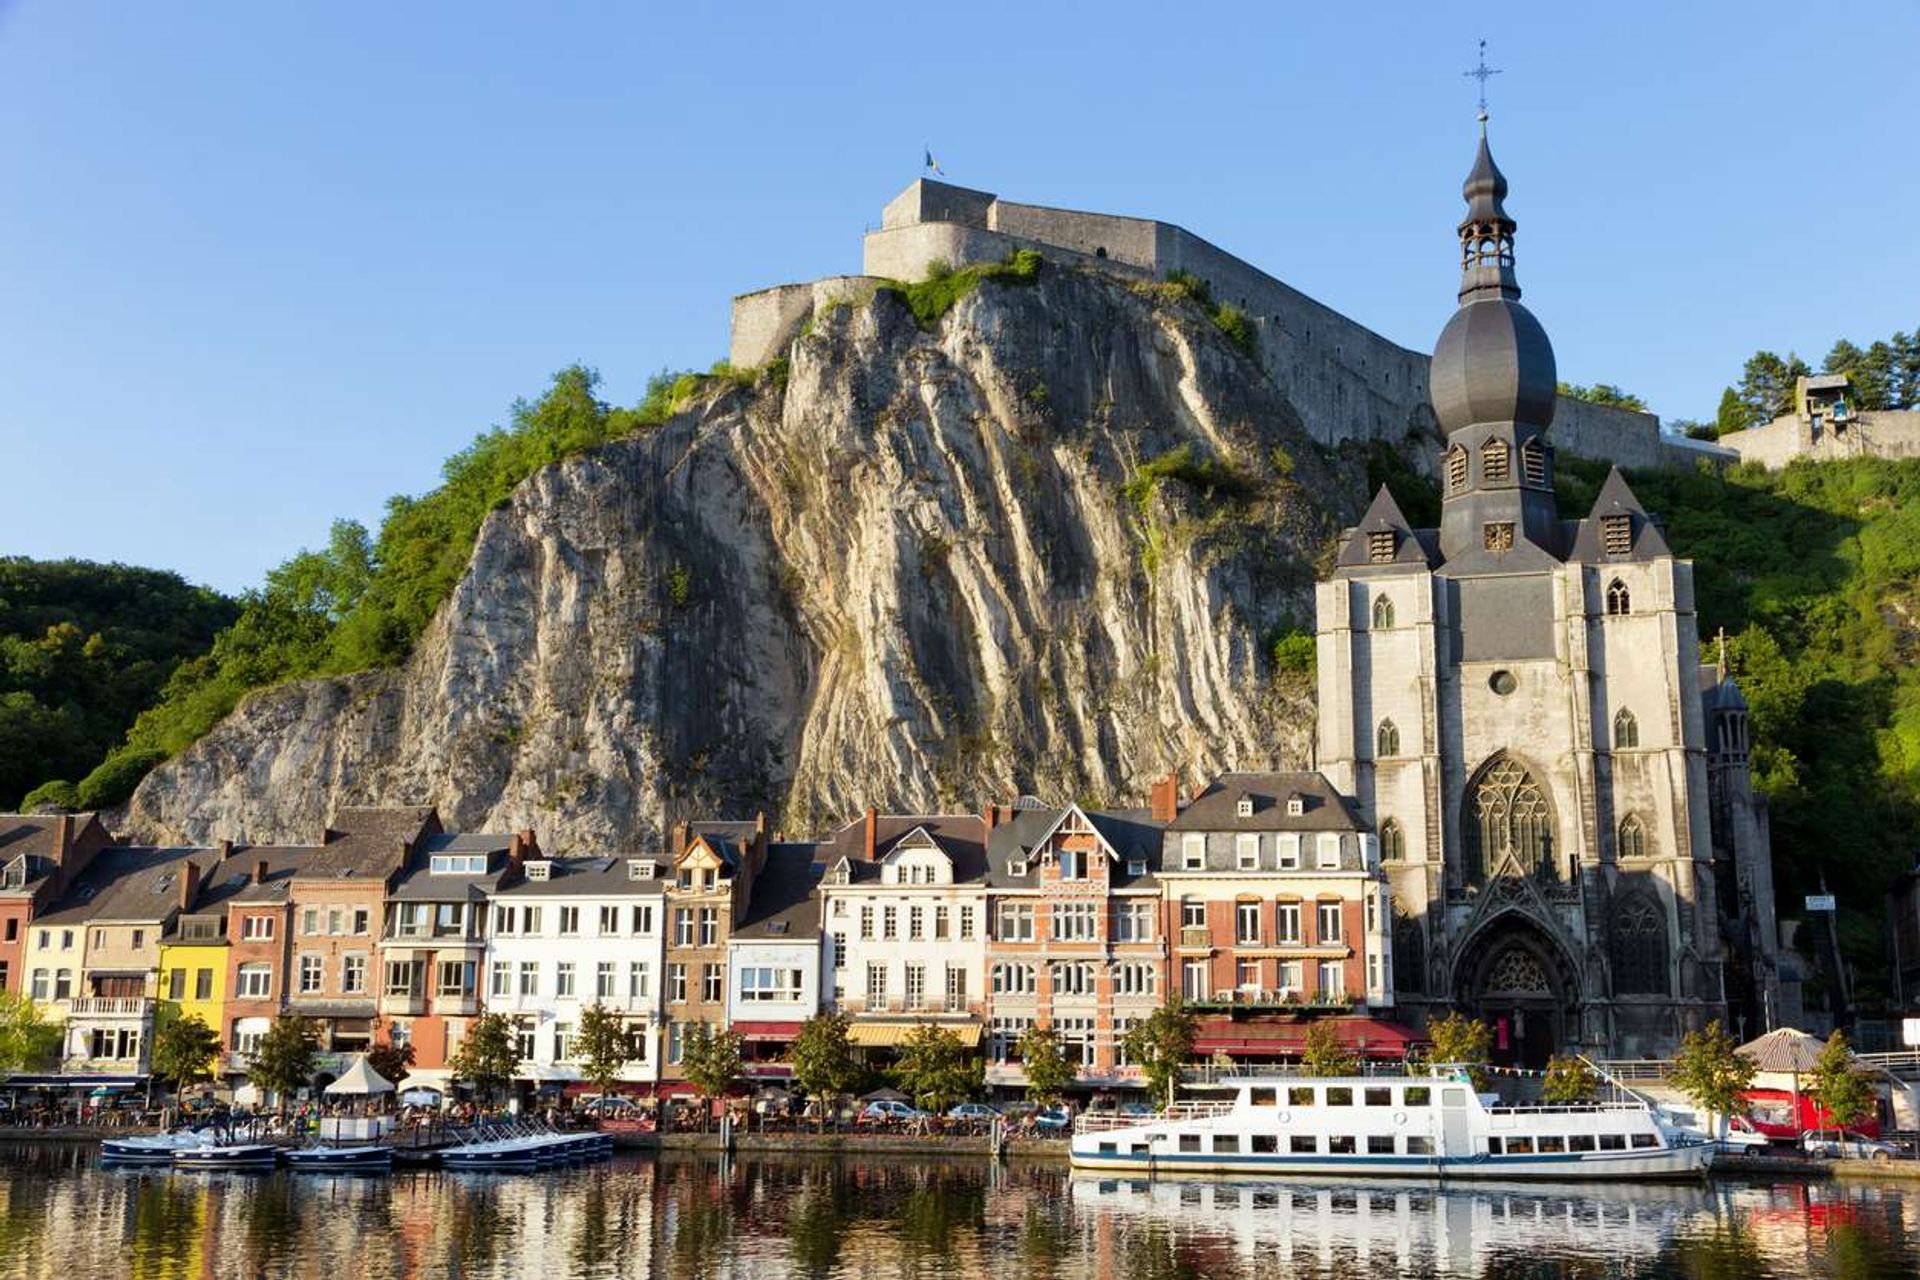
[[1493, 362]]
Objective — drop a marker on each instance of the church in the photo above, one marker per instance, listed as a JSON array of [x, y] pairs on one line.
[[1518, 704]]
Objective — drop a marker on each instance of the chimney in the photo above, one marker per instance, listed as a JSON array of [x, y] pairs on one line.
[[260, 871], [226, 851], [990, 814], [189, 884], [873, 823], [682, 837], [1165, 804], [62, 838], [760, 839]]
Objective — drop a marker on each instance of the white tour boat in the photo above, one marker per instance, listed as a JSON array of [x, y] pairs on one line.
[[1389, 1126]]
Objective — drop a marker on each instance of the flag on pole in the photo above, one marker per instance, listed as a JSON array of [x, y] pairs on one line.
[[933, 166]]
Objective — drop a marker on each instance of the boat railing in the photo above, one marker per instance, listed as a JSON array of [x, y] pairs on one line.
[[1107, 1121], [1562, 1108]]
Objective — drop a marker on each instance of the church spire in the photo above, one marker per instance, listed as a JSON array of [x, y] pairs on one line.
[[1486, 233]]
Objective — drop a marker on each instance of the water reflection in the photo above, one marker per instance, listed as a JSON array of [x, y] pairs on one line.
[[827, 1219]]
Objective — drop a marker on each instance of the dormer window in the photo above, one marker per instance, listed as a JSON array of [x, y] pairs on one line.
[[1136, 866], [1616, 534], [642, 868], [1193, 853], [1296, 805], [1245, 807], [457, 864], [1381, 544], [1017, 868], [540, 870]]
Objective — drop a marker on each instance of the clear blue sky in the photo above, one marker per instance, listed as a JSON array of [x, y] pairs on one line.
[[262, 265]]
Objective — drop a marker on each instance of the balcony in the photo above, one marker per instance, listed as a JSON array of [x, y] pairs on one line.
[[1196, 937], [928, 1008], [456, 1004], [109, 1007], [403, 1004]]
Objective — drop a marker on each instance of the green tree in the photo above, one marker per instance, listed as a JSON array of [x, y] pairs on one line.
[[1710, 1071], [283, 1061], [1461, 1041], [936, 1069], [602, 1045], [27, 1039], [1048, 1072], [489, 1055], [1161, 1044], [1839, 1086], [1766, 385], [711, 1059], [1325, 1055], [1733, 415], [391, 1061], [1604, 393], [823, 1061], [184, 1047], [1569, 1079]]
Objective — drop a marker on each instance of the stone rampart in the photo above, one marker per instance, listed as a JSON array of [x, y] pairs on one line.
[[1872, 434], [766, 322]]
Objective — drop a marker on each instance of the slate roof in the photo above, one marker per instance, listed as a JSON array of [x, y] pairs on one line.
[[366, 842], [1133, 833], [1217, 808], [127, 884], [784, 906], [599, 877], [234, 878], [1616, 499], [37, 835], [963, 837], [1385, 516], [422, 885]]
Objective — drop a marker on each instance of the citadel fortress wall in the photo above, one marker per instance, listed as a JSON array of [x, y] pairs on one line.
[[1348, 382]]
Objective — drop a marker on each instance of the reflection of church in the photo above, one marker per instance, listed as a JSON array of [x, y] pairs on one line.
[[1518, 704]]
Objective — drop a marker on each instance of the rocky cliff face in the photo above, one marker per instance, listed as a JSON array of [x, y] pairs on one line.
[[914, 576]]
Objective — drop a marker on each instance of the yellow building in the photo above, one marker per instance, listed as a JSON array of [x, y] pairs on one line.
[[193, 972]]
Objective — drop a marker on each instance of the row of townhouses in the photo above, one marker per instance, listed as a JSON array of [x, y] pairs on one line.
[[1259, 898]]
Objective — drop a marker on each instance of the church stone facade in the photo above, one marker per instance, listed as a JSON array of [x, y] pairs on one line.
[[1518, 705]]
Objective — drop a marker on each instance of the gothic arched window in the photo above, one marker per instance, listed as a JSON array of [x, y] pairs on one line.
[[1393, 841], [1626, 730], [1386, 740], [1507, 812], [1639, 946], [1633, 838], [1409, 955], [1494, 461], [1619, 599], [1382, 613]]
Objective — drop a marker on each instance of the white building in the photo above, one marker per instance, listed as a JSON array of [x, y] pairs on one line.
[[573, 933], [773, 960], [904, 927]]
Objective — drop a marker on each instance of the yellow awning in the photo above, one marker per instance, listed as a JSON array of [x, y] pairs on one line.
[[890, 1035]]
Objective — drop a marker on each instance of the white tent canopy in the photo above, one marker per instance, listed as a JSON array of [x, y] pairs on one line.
[[359, 1081], [1783, 1050]]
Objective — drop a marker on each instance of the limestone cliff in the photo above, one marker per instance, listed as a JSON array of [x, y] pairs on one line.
[[910, 573]]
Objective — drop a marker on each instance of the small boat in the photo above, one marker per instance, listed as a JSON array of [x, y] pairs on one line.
[[365, 1159], [149, 1148], [526, 1151], [238, 1155], [1390, 1126]]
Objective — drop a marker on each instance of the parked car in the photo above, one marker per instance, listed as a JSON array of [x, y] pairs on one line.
[[1832, 1144], [1052, 1120], [887, 1111], [973, 1111]]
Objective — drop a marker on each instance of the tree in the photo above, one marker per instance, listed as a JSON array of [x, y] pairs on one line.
[[392, 1061], [1325, 1055], [1569, 1079], [489, 1054], [711, 1059], [1843, 1091], [1604, 393], [1733, 414], [936, 1069], [1162, 1044], [602, 1045], [1463, 1042], [1766, 386], [283, 1060], [184, 1047], [1048, 1072], [27, 1039], [823, 1062], [1709, 1070]]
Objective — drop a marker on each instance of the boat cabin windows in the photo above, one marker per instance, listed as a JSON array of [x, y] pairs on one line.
[[1580, 1142], [1642, 1141], [1140, 1149], [1613, 1142], [1515, 1146], [1553, 1145], [1418, 1095], [1340, 1144], [1264, 1144], [1261, 1097], [1303, 1145], [1226, 1144], [1420, 1145], [1378, 1097], [1339, 1096], [1109, 1149], [1453, 1097], [1300, 1096], [1190, 1142], [1380, 1144]]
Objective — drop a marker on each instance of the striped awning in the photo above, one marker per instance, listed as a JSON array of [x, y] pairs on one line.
[[890, 1035]]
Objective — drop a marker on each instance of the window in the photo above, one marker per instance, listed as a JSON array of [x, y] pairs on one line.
[[838, 944], [1327, 922], [563, 979], [1193, 853], [1014, 980], [866, 921], [1377, 1097], [1381, 544], [1246, 975], [1419, 1145], [455, 978], [709, 926], [310, 920], [1379, 1144], [641, 918], [916, 986], [677, 984], [1386, 740], [1619, 599], [1456, 469], [1070, 864], [530, 919], [1495, 462], [1533, 463], [1633, 838], [639, 980], [1246, 923], [529, 977], [1190, 1142], [1301, 1145], [713, 983], [941, 922], [99, 938], [876, 984], [609, 921], [39, 984], [562, 1041], [1291, 977], [915, 924], [1016, 922], [1638, 946], [176, 985], [1382, 613], [336, 920], [1626, 731], [1193, 980], [203, 983], [1134, 978], [1286, 922], [1133, 922], [1264, 1144], [1075, 922], [1288, 856], [683, 926], [966, 922], [760, 984], [500, 978], [606, 981], [1580, 1142], [353, 975], [1616, 534], [1327, 852], [257, 928], [1072, 978], [1246, 852], [889, 921], [1511, 815], [312, 972], [1226, 1144], [956, 989], [63, 984], [1613, 1142], [1332, 984], [255, 982], [1393, 843], [457, 864]]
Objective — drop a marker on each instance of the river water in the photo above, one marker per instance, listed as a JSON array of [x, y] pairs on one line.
[[63, 1216]]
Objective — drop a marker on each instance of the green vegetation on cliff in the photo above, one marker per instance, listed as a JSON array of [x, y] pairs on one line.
[[83, 649], [933, 297]]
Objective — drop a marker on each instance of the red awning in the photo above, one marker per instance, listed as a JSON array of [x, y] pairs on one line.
[[767, 1030], [1266, 1038]]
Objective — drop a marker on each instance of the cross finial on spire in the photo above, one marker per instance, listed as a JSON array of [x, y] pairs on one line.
[[1482, 73]]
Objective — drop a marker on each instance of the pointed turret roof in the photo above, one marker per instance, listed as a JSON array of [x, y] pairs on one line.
[[1383, 517], [1485, 187], [1616, 499]]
